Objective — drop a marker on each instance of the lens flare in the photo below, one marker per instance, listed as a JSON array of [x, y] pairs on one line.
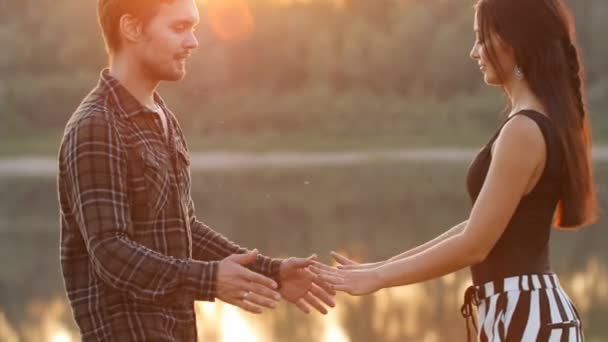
[[61, 336], [230, 20]]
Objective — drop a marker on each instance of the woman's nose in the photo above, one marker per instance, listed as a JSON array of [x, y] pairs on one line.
[[474, 53]]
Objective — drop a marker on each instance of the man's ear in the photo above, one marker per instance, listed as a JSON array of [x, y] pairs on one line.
[[131, 28]]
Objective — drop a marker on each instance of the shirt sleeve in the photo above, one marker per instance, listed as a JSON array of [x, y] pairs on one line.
[[93, 162]]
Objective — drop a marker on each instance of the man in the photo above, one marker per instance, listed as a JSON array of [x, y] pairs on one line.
[[134, 256]]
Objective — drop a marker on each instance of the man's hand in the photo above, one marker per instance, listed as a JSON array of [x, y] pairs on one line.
[[301, 287], [246, 289]]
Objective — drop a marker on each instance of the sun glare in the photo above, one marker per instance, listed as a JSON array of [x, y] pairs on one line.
[[61, 336], [397, 312], [333, 332], [230, 20], [235, 328], [226, 323]]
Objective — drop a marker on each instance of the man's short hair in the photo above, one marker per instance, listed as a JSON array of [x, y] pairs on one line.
[[109, 13]]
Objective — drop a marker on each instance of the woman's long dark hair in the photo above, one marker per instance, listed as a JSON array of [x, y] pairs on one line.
[[541, 33]]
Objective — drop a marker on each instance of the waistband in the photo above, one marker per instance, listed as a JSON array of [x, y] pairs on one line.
[[526, 282]]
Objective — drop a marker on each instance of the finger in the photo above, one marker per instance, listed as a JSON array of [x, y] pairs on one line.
[[264, 291], [323, 276], [308, 274], [245, 305], [302, 306], [335, 273], [318, 271], [246, 258], [323, 285], [259, 300], [316, 268], [342, 259], [258, 278], [301, 262], [332, 280], [312, 301], [323, 295], [323, 266], [350, 267], [344, 288]]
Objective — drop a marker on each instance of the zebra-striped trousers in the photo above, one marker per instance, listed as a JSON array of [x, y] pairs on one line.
[[530, 307]]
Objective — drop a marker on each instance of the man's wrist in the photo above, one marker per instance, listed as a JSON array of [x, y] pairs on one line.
[[276, 268], [201, 278]]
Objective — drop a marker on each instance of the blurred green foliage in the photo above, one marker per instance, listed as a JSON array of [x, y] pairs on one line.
[[314, 74]]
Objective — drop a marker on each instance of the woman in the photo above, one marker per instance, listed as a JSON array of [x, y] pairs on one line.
[[534, 172]]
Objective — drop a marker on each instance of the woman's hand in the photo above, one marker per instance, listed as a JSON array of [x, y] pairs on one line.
[[344, 263], [356, 282]]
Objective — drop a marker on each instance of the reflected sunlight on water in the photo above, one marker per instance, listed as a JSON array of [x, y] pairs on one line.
[[61, 335], [45, 323], [226, 323], [331, 325], [416, 312], [7, 333], [414, 298]]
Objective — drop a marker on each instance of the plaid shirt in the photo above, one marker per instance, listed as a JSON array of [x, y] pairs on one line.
[[134, 257]]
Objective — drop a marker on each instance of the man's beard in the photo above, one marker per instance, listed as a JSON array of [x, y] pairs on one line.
[[163, 72]]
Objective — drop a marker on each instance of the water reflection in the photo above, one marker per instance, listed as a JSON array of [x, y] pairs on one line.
[[226, 323], [45, 321], [359, 209], [221, 322], [7, 333], [421, 312]]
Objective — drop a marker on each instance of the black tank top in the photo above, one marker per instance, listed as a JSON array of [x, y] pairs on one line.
[[523, 248]]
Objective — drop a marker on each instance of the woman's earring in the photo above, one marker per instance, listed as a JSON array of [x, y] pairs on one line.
[[519, 75]]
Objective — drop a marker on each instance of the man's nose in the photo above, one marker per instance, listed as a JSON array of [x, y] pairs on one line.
[[191, 42]]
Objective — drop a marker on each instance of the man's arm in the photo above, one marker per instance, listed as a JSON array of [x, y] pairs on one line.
[[208, 245], [93, 169]]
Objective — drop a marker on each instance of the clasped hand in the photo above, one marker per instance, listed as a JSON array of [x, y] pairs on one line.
[[349, 276], [239, 286]]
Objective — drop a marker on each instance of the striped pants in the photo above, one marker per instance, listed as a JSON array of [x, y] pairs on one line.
[[523, 308]]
